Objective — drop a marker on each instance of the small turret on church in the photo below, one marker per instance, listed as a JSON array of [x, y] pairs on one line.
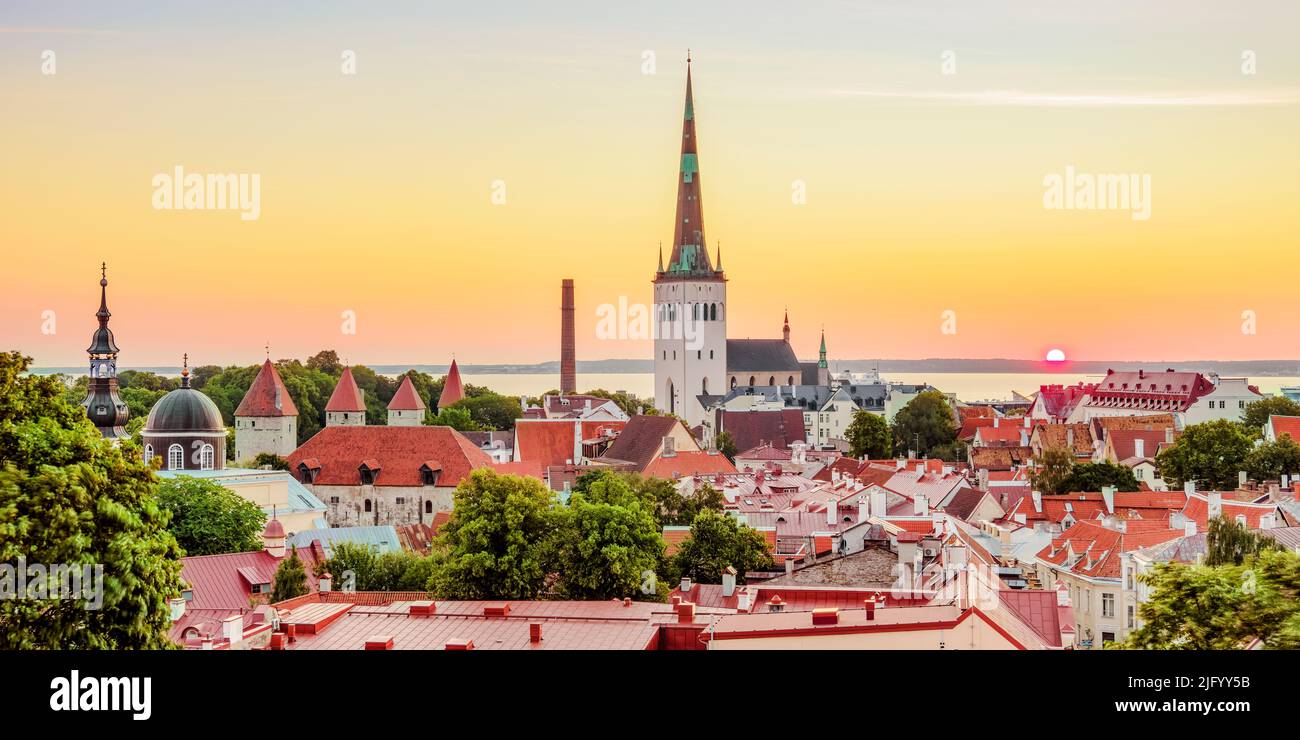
[[346, 407], [266, 420], [103, 405]]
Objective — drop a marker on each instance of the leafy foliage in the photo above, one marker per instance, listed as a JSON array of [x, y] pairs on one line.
[[925, 422], [358, 567], [69, 497], [209, 519], [1210, 453], [610, 543], [1052, 469], [726, 445], [1272, 460], [1230, 543], [457, 418], [1091, 476], [501, 540], [1202, 607], [1256, 414], [290, 578], [271, 460], [716, 542], [868, 435]]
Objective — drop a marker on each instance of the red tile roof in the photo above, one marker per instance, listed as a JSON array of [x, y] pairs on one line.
[[452, 389], [398, 452], [267, 395], [1285, 425], [545, 441], [688, 463], [406, 398], [1058, 401], [749, 429], [1170, 390], [1092, 550], [1124, 442], [346, 395]]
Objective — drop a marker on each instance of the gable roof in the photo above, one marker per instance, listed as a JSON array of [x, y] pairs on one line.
[[641, 439], [749, 429], [346, 395], [545, 441], [964, 503], [406, 398], [397, 452], [762, 355], [1059, 435], [267, 396], [1092, 550], [688, 463], [1285, 425]]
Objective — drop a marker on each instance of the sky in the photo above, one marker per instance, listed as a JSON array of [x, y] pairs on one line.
[[922, 136]]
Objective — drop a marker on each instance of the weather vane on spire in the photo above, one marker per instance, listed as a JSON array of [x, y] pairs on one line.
[[103, 269]]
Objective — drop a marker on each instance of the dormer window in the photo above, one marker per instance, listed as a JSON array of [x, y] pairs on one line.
[[429, 473], [369, 470]]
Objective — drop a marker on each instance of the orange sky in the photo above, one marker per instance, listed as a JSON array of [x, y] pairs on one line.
[[924, 190]]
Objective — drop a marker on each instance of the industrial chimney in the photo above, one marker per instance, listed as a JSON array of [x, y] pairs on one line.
[[568, 360]]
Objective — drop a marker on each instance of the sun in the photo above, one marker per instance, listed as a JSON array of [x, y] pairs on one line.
[[1055, 355]]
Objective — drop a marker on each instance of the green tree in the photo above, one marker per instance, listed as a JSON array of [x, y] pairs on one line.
[[326, 361], [1051, 469], [1272, 460], [270, 460], [868, 435], [610, 543], [924, 423], [290, 578], [1210, 453], [358, 567], [209, 519], [718, 541], [492, 411], [1256, 414], [1230, 543], [726, 445], [1201, 607], [69, 497], [457, 418], [1091, 476], [501, 540]]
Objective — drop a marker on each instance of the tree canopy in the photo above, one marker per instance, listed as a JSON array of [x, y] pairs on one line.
[[1090, 476], [717, 542], [69, 497], [290, 578], [868, 435], [1052, 468], [208, 518], [610, 546], [1272, 460], [1256, 414], [924, 424], [1210, 453]]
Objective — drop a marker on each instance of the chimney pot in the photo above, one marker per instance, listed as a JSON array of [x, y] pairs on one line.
[[829, 615], [686, 612], [535, 632], [379, 642]]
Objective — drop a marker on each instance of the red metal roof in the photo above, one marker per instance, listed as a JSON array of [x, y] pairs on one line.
[[398, 452], [267, 395], [346, 395], [1285, 425]]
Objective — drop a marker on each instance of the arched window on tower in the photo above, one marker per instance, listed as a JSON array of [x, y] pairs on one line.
[[206, 457], [753, 381], [367, 504], [428, 507], [789, 380], [148, 453], [175, 457], [704, 386], [713, 312], [733, 382]]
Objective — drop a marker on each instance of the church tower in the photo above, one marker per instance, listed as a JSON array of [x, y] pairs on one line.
[[104, 407], [346, 407], [690, 297]]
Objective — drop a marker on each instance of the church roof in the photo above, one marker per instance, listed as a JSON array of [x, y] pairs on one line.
[[406, 399], [101, 343], [745, 355], [452, 389], [346, 395], [267, 395], [185, 409]]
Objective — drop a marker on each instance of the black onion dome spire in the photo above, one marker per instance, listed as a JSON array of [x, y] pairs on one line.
[[104, 407]]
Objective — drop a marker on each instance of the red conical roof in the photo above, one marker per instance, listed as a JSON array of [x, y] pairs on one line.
[[452, 390], [346, 395], [267, 395], [406, 399]]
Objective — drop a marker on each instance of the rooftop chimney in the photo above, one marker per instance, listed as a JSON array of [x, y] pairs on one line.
[[686, 612], [729, 581], [832, 513], [535, 632], [921, 505], [1038, 500], [232, 628], [325, 583], [568, 346], [1139, 447], [686, 584], [1242, 477], [1215, 504], [1108, 495], [177, 607], [1189, 487], [864, 509], [870, 605], [1189, 528], [1169, 435]]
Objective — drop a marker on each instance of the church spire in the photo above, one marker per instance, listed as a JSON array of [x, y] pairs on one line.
[[785, 330], [690, 251], [821, 356], [102, 404]]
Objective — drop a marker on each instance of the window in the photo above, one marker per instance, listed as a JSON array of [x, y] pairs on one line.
[[1130, 621], [206, 457], [771, 380], [401, 500], [367, 504], [334, 499], [148, 453], [710, 354], [1108, 605], [1107, 637], [1241, 404], [428, 507], [752, 380], [699, 354], [175, 457]]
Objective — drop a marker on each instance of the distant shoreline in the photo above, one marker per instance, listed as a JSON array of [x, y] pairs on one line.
[[1248, 368]]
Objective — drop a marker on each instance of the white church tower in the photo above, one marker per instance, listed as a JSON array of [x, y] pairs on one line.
[[690, 298]]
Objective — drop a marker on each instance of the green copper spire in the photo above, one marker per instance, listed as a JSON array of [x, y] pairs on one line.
[[821, 357]]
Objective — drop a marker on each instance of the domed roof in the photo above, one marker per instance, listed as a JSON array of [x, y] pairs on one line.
[[273, 529], [184, 410]]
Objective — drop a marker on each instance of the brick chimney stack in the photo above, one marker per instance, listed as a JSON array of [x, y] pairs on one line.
[[568, 348]]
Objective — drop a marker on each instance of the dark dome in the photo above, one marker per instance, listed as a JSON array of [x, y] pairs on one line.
[[184, 410]]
